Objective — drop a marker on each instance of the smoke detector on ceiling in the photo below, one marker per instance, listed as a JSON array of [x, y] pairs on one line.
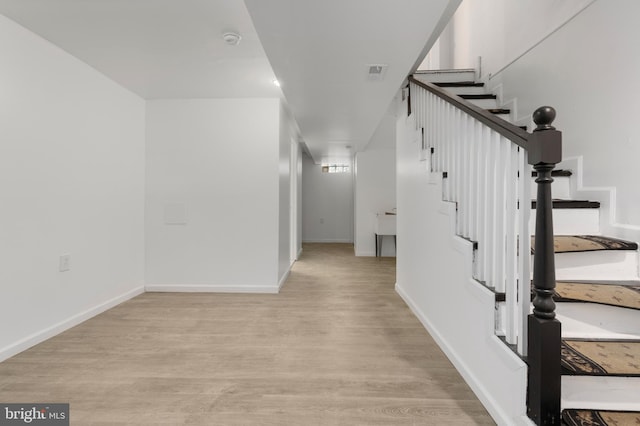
[[376, 72], [231, 38]]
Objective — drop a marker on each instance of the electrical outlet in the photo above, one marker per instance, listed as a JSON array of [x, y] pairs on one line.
[[65, 262], [321, 220]]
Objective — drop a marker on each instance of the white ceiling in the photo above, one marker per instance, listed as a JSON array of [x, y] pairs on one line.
[[318, 49], [156, 48]]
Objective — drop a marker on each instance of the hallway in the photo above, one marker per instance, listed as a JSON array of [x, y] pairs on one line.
[[337, 346]]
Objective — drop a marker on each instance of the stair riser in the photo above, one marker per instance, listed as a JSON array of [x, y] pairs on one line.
[[597, 265], [571, 222], [596, 321], [605, 393], [505, 117], [467, 90], [560, 188], [484, 103], [586, 321], [446, 76]]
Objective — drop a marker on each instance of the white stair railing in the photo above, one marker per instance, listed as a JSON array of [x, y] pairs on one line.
[[482, 177], [485, 163], [488, 177]]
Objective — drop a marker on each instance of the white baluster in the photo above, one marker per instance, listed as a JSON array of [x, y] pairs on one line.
[[421, 106], [471, 178], [492, 210], [461, 175], [440, 138], [414, 89], [457, 148], [500, 212], [524, 249], [482, 138], [512, 318], [460, 172], [432, 117], [449, 149], [436, 134], [468, 173]]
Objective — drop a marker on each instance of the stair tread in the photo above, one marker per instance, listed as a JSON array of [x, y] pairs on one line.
[[555, 173], [600, 358], [584, 243], [459, 84], [446, 71], [499, 111], [579, 417], [478, 96], [624, 296], [559, 203]]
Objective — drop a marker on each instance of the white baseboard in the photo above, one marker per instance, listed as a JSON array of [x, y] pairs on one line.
[[210, 288], [481, 392], [284, 277], [299, 253], [70, 322]]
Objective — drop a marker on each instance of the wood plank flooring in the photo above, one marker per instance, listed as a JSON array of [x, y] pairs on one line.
[[337, 346]]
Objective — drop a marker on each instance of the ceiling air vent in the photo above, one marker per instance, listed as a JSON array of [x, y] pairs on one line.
[[376, 72]]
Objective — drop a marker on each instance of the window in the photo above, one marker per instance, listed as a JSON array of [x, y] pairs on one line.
[[335, 168]]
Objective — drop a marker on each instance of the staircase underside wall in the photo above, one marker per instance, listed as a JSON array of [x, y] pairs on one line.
[[434, 278]]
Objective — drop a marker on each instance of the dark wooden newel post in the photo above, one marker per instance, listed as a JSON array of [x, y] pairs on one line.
[[544, 338]]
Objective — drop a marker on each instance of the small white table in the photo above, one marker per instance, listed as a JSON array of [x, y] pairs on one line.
[[385, 225]]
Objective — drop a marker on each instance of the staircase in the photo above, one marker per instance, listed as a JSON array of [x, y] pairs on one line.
[[597, 292]]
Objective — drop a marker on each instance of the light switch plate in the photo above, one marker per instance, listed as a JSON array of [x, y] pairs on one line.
[[65, 262]]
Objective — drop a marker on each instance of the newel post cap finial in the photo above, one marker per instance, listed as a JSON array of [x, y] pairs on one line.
[[545, 141], [543, 117]]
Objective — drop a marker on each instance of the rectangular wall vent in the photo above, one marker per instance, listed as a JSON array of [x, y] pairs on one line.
[[376, 72]]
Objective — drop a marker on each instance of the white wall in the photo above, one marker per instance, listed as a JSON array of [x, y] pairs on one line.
[[295, 194], [375, 187], [327, 204], [285, 214], [299, 201], [216, 163], [434, 277], [588, 71], [500, 31], [71, 182]]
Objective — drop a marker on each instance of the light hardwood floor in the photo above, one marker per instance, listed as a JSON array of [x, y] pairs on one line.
[[337, 346]]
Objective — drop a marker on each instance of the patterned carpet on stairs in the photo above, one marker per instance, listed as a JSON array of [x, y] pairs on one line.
[[606, 294], [580, 243], [600, 418], [600, 358]]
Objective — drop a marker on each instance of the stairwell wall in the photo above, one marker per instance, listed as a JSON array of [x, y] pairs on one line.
[[587, 70], [71, 183]]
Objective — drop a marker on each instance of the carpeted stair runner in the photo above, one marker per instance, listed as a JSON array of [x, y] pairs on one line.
[[600, 358], [625, 296], [600, 418], [582, 243]]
